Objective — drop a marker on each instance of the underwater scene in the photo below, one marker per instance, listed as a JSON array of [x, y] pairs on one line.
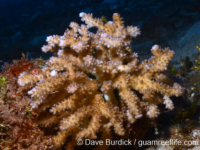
[[100, 74]]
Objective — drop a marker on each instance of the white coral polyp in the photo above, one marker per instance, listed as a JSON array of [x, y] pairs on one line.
[[155, 47], [53, 73], [81, 14]]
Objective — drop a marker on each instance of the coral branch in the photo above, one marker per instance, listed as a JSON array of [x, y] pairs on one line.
[[91, 74]]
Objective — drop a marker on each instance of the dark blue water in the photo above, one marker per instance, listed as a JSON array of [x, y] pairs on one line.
[[24, 24]]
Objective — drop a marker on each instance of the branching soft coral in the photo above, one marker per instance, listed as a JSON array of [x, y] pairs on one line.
[[78, 83]]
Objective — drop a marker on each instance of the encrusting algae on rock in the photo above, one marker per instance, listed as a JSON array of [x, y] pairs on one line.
[[77, 85], [18, 121]]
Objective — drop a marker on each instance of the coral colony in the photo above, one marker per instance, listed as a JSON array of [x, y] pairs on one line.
[[91, 75]]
